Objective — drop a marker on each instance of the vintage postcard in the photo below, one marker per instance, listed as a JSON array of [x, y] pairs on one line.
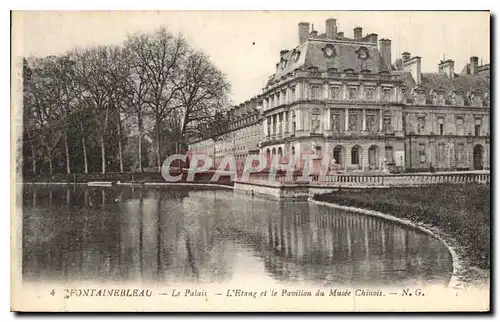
[[271, 161]]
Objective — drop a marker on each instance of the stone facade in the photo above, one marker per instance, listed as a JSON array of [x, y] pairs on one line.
[[342, 98], [242, 139]]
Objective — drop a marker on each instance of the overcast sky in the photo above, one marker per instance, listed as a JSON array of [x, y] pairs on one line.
[[246, 45]]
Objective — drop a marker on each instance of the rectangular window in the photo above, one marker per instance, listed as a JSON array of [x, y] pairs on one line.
[[336, 122], [387, 122], [460, 126], [286, 122], [387, 93], [370, 123], [421, 153], [441, 125], [315, 121], [460, 153], [370, 93], [441, 152], [355, 155], [292, 95], [477, 127], [315, 125], [353, 122], [280, 123], [316, 92], [353, 93], [335, 93], [421, 125], [389, 154]]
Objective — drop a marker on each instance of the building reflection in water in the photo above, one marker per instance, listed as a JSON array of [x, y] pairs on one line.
[[178, 235]]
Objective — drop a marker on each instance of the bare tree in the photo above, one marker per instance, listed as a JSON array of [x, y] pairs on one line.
[[42, 106], [203, 91], [94, 69], [59, 73], [119, 73], [158, 55], [29, 124], [136, 87]]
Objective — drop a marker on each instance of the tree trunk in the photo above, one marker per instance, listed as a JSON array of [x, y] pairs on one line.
[[158, 154], [86, 166], [68, 168], [140, 144], [213, 161], [33, 157], [103, 155], [120, 151], [50, 165]]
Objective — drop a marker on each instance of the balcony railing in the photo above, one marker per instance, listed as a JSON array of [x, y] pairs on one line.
[[402, 180]]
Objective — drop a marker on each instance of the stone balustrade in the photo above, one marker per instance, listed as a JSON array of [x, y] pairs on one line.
[[401, 180], [294, 186]]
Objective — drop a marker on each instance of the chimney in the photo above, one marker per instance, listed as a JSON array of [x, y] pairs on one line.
[[340, 35], [385, 52], [373, 38], [447, 67], [473, 65], [331, 28], [414, 67], [406, 55], [303, 32], [358, 33]]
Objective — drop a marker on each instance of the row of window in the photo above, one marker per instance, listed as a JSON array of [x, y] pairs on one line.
[[335, 93], [242, 122], [275, 122], [444, 152], [459, 126]]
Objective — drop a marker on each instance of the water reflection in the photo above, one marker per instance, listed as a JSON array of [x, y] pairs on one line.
[[175, 234]]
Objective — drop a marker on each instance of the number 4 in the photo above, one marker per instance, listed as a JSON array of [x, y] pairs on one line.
[[52, 292]]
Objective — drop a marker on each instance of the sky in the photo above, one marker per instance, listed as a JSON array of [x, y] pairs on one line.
[[245, 45]]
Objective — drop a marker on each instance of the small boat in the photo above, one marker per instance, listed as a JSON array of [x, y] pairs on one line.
[[100, 183]]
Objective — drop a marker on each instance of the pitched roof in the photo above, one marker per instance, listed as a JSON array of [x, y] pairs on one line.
[[311, 54], [479, 83]]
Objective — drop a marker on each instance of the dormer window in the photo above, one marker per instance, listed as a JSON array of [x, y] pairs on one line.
[[283, 63], [329, 51], [460, 125], [362, 53], [349, 71], [295, 55]]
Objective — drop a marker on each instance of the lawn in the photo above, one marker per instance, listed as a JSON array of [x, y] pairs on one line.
[[463, 211]]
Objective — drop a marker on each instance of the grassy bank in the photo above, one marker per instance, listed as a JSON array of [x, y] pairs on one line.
[[463, 211]]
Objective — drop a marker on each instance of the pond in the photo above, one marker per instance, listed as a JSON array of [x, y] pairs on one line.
[[199, 235]]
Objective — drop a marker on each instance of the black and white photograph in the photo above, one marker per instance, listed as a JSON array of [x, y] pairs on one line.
[[251, 161]]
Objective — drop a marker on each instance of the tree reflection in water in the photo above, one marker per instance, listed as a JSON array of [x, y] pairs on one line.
[[174, 235]]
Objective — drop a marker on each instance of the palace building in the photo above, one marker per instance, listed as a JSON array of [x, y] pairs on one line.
[[346, 98]]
